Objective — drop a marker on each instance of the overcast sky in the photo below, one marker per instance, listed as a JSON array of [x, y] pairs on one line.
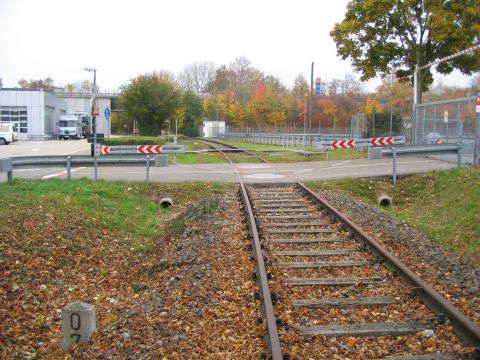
[[122, 39]]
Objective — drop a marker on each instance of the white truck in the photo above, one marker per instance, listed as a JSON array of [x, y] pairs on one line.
[[70, 127], [8, 133]]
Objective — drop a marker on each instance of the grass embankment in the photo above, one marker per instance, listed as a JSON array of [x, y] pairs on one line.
[[66, 241], [264, 151], [444, 205], [135, 140]]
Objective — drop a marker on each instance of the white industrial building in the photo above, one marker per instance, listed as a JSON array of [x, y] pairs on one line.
[[35, 112], [212, 128], [81, 101]]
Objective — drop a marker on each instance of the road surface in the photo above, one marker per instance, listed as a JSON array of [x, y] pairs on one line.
[[302, 171]]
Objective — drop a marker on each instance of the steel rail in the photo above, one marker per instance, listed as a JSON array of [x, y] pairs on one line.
[[273, 338], [232, 147], [465, 328]]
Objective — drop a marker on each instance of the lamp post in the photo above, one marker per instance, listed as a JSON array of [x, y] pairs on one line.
[[305, 126], [94, 122]]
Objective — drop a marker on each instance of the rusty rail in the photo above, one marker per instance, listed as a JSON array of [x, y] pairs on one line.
[[465, 328], [273, 338]]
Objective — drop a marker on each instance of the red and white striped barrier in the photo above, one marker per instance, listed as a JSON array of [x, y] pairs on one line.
[[342, 144], [149, 149], [104, 150], [382, 141], [141, 149], [440, 141]]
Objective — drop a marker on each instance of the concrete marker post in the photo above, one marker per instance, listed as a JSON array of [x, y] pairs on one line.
[[78, 324], [10, 176]]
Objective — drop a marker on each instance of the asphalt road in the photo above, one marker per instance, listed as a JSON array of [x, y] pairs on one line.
[[288, 172]]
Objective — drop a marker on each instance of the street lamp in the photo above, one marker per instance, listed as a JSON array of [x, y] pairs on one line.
[[94, 122]]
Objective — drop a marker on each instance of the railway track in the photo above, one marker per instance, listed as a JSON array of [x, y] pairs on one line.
[[329, 290]]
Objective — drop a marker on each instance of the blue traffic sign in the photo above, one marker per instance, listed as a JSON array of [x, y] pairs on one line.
[[318, 87], [107, 113]]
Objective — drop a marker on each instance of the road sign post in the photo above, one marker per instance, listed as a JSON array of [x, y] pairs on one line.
[[318, 86], [107, 115]]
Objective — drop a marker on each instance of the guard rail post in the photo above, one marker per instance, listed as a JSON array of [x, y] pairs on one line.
[[394, 164], [69, 167], [148, 169], [7, 166], [459, 155]]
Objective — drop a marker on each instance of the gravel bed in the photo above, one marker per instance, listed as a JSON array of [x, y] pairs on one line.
[[410, 308], [452, 275]]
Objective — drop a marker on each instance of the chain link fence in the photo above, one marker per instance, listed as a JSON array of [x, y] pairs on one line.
[[446, 121]]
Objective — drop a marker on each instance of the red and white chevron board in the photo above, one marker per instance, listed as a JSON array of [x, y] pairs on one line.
[[104, 150], [342, 144], [149, 149], [382, 141], [440, 141]]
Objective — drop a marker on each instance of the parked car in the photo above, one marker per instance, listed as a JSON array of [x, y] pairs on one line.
[[8, 133], [434, 138]]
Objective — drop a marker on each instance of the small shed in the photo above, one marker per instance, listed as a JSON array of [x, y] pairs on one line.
[[212, 129]]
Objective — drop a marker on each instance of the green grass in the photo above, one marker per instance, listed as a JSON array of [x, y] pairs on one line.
[[134, 140], [123, 208], [444, 205], [202, 158], [260, 147]]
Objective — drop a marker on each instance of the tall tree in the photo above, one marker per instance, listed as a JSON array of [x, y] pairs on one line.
[[198, 77], [151, 99], [43, 84], [245, 77], [300, 86], [384, 35], [192, 105], [396, 93], [372, 107], [81, 86]]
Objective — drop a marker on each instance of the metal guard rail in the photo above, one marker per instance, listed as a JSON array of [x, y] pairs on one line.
[[23, 162], [421, 149]]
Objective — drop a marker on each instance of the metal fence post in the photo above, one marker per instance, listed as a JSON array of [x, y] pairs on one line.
[[10, 176], [476, 150], [69, 167], [394, 164], [148, 169], [95, 165], [459, 155]]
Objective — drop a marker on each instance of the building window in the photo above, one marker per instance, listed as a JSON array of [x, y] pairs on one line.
[[16, 115]]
